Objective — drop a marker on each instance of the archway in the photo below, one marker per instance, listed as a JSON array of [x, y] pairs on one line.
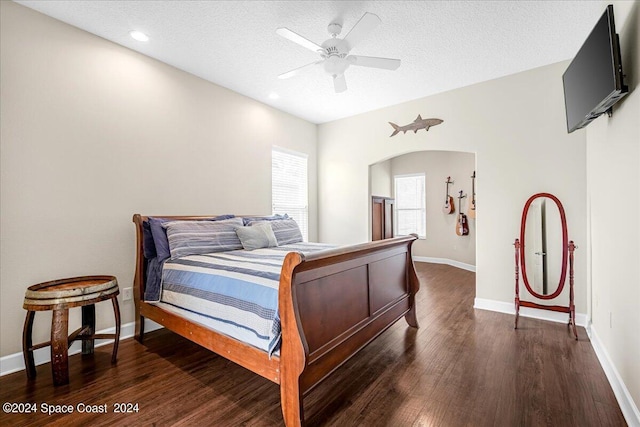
[[439, 241]]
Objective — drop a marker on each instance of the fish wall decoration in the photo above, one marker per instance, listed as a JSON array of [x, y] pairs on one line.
[[418, 123]]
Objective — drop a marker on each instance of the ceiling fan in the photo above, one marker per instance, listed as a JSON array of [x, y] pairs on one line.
[[335, 51]]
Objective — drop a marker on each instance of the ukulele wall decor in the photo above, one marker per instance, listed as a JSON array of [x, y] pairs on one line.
[[448, 207], [472, 205], [462, 227]]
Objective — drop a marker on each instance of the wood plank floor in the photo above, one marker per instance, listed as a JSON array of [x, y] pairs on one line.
[[463, 367]]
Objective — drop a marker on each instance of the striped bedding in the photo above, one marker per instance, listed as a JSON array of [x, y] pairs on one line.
[[235, 292]]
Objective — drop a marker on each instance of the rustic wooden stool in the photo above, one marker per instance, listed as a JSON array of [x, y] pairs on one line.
[[59, 296]]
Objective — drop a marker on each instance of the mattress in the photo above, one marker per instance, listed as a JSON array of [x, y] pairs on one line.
[[234, 293]]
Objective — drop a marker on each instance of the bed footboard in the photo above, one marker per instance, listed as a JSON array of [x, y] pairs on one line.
[[334, 303]]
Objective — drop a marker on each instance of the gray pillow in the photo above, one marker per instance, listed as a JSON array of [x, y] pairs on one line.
[[256, 237], [202, 237]]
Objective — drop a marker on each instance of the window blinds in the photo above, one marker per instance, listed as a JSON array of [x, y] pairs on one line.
[[410, 209], [289, 186]]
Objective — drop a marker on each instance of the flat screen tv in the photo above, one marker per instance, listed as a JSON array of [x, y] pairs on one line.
[[593, 80]]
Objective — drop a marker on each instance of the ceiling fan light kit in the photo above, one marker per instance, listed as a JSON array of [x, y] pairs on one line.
[[335, 51]]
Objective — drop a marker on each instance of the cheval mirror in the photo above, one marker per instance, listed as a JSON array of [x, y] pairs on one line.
[[542, 253]]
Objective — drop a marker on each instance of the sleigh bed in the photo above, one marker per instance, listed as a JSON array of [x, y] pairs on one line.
[[330, 304]]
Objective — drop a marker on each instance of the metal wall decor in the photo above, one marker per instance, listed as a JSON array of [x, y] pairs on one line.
[[416, 125]]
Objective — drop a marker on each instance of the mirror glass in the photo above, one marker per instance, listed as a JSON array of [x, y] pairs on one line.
[[543, 248]]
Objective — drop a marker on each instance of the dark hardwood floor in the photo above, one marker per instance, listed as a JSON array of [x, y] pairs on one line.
[[463, 367]]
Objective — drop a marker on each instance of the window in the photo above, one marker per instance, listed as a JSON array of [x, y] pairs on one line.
[[410, 211], [289, 193]]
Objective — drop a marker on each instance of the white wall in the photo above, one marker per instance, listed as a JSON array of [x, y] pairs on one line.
[[613, 176], [516, 127], [380, 180], [441, 240], [92, 133]]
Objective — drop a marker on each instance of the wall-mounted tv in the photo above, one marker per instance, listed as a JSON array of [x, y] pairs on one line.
[[593, 81]]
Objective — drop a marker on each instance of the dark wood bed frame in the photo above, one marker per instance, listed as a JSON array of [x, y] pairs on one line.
[[332, 304]]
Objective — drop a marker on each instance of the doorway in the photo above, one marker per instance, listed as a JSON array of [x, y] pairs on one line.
[[439, 242]]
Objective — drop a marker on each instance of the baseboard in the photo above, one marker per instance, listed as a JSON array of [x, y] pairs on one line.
[[627, 405], [15, 362], [450, 262], [536, 313]]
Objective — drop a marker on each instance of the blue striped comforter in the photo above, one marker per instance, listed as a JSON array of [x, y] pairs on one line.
[[236, 291]]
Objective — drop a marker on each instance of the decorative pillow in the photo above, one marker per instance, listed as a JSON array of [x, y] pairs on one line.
[[221, 217], [249, 219], [256, 237], [202, 237], [148, 247], [285, 230], [159, 234], [159, 237]]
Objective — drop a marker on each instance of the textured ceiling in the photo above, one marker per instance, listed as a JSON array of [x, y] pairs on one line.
[[443, 45]]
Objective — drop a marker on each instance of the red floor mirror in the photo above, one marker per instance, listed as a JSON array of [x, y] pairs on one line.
[[543, 253]]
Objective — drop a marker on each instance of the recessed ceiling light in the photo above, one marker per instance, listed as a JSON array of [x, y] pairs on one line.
[[139, 35], [273, 95]]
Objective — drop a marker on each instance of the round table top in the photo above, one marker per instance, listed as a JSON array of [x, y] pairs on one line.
[[71, 292]]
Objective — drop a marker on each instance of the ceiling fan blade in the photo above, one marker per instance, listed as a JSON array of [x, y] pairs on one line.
[[297, 38], [295, 71], [339, 83], [363, 27], [372, 61]]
